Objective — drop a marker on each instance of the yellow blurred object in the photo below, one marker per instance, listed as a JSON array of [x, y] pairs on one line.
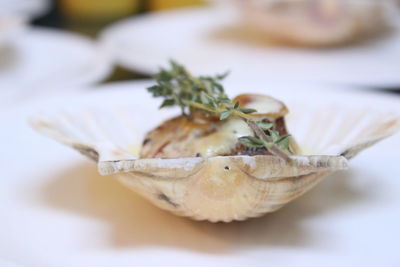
[[98, 9], [169, 4]]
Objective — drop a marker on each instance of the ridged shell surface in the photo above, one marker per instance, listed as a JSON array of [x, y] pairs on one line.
[[222, 188]]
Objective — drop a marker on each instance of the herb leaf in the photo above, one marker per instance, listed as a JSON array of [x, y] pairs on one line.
[[247, 110], [284, 143], [224, 115], [167, 103], [250, 141], [265, 125]]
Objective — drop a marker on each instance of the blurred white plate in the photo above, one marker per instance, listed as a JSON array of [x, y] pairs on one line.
[[26, 8], [43, 61], [203, 39], [57, 211], [10, 28]]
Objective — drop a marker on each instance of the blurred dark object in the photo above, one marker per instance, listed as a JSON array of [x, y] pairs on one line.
[[122, 74], [88, 17], [51, 18]]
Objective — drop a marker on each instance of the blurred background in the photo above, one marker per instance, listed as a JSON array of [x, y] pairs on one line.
[[90, 17], [47, 44]]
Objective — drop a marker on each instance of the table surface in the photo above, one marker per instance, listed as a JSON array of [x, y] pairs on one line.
[[58, 211]]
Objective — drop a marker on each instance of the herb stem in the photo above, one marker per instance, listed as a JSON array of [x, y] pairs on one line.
[[217, 110], [243, 115], [271, 146], [203, 107]]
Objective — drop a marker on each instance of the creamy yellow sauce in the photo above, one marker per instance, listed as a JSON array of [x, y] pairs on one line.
[[265, 105], [223, 140]]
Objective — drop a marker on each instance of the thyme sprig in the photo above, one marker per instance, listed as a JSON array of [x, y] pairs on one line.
[[205, 94]]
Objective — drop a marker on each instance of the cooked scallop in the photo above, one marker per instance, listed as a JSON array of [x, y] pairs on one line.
[[200, 136]]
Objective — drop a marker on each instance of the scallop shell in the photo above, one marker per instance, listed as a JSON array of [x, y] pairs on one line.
[[230, 187]]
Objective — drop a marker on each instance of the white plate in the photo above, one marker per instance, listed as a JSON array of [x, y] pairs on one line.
[[190, 36], [10, 28], [26, 8], [57, 211], [43, 60]]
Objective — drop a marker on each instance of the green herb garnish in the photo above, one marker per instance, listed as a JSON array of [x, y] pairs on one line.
[[206, 94]]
